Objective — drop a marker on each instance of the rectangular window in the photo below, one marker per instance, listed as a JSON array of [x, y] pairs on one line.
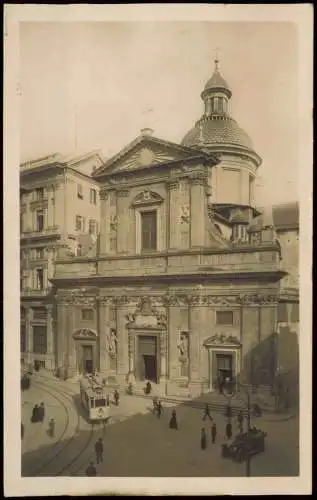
[[80, 223], [39, 253], [80, 191], [22, 338], [39, 279], [39, 313], [224, 317], [39, 339], [93, 196], [148, 231], [87, 314], [92, 226], [39, 194], [39, 220], [251, 189]]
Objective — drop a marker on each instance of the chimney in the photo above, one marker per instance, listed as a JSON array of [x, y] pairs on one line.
[[147, 131]]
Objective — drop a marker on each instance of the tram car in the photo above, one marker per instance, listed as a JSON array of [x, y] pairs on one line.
[[94, 398], [245, 445]]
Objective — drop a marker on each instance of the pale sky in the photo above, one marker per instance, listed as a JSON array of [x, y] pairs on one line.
[[112, 72]]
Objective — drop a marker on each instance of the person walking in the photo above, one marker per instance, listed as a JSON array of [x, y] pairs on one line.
[[240, 419], [203, 439], [35, 414], [173, 421], [116, 397], [91, 470], [99, 451], [213, 433], [229, 430], [22, 431], [159, 409], [51, 427], [206, 413], [41, 412]]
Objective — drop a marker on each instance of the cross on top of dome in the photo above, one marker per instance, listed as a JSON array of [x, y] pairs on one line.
[[217, 83]]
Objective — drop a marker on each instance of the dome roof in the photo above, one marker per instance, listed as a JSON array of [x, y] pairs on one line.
[[217, 130], [217, 82]]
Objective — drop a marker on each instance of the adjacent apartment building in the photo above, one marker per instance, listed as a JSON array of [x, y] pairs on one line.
[[59, 211]]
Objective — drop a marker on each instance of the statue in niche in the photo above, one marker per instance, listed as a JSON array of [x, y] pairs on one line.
[[113, 222], [183, 347], [112, 342], [185, 214], [183, 351]]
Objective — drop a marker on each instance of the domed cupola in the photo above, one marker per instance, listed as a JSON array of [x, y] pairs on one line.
[[216, 128]]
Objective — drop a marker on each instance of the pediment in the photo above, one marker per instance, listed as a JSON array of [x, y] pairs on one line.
[[85, 333], [221, 339], [144, 152]]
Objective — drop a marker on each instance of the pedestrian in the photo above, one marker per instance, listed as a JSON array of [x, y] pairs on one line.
[[159, 409], [51, 427], [173, 421], [206, 413], [22, 431], [41, 412], [229, 430], [35, 414], [213, 433], [108, 400], [91, 470], [203, 439], [99, 451], [116, 397], [154, 402], [147, 388]]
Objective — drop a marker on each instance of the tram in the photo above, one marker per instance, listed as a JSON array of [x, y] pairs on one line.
[[94, 398]]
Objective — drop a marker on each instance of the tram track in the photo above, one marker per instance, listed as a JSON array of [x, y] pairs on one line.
[[60, 450]]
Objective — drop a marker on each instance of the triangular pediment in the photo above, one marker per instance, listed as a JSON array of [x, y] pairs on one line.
[[144, 152]]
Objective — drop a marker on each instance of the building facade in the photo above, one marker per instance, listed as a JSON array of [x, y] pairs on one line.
[[184, 287], [55, 195]]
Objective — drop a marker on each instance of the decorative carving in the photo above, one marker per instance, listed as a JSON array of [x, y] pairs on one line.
[[163, 343], [198, 178], [104, 194], [112, 343], [220, 338], [147, 198], [85, 333], [194, 300], [121, 300], [123, 192], [146, 315], [113, 222], [172, 184], [185, 214], [104, 300]]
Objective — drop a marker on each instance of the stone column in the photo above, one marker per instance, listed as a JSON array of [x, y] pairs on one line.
[[173, 215], [197, 209], [163, 355], [50, 335], [123, 220], [173, 338], [71, 347], [49, 206], [104, 360], [61, 330], [122, 337], [195, 324]]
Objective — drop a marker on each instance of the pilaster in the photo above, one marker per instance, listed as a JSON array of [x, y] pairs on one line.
[[197, 208], [104, 310], [122, 338], [174, 207], [123, 220]]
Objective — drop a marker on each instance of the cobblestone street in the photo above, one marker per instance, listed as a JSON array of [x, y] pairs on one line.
[[136, 443]]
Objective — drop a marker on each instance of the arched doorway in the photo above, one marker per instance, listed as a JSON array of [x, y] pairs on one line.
[[86, 347]]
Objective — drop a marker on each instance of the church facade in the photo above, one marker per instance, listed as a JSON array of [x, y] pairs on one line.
[[183, 288]]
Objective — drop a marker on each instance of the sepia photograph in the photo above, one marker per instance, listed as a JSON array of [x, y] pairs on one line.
[[159, 174]]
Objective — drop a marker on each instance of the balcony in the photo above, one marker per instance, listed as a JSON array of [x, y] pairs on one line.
[[45, 233]]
